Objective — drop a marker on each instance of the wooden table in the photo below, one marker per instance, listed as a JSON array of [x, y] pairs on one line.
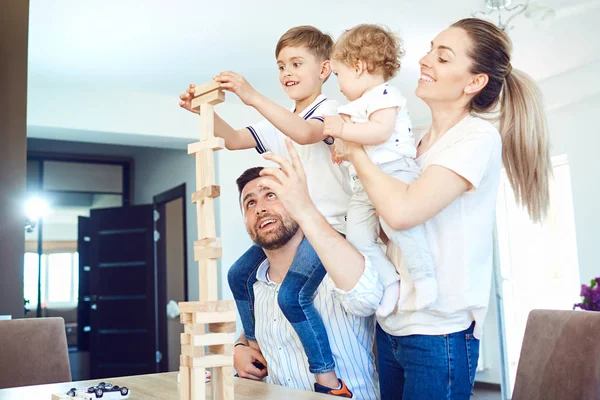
[[160, 387]]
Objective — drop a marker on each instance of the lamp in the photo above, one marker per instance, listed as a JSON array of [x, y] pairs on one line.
[[35, 209], [502, 12]]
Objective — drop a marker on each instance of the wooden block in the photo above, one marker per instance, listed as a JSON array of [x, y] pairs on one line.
[[212, 98], [224, 327], [206, 88], [211, 191], [184, 361], [210, 318], [208, 275], [192, 351], [216, 143], [207, 252], [198, 383], [224, 349], [184, 383], [206, 219], [207, 306], [208, 339], [185, 318], [205, 169], [212, 360], [197, 329], [222, 383], [207, 241], [185, 339], [207, 121]]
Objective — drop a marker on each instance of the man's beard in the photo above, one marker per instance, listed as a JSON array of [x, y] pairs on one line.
[[280, 237]]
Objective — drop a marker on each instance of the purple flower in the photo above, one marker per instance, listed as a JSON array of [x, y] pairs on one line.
[[590, 296]]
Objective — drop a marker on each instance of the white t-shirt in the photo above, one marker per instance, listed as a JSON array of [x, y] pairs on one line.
[[328, 183], [460, 237], [402, 142]]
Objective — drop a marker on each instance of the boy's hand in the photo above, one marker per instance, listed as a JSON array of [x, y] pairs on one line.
[[186, 99], [333, 126], [237, 84]]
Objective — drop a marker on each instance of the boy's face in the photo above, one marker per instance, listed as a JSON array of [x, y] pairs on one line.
[[301, 74]]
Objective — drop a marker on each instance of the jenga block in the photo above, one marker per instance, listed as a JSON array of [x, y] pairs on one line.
[[201, 253], [211, 191], [212, 360], [185, 318], [213, 98], [197, 329], [209, 318], [222, 382], [198, 383], [207, 241], [224, 327], [208, 276], [207, 306], [224, 349], [207, 121], [184, 361], [205, 169], [184, 383], [206, 219], [208, 339], [206, 88], [216, 143]]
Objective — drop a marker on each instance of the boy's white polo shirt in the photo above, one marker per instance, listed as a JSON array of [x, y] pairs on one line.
[[328, 183]]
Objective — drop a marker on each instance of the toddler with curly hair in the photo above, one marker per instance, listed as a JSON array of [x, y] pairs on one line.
[[364, 59]]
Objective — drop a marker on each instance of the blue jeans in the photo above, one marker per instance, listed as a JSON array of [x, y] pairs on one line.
[[422, 367], [295, 299]]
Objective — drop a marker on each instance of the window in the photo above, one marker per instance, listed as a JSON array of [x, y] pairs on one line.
[[538, 262], [59, 280]]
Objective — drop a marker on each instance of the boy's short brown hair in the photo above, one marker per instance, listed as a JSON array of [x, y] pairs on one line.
[[316, 42], [374, 45]]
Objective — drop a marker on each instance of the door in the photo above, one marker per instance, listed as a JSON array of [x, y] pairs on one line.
[[171, 259], [123, 336]]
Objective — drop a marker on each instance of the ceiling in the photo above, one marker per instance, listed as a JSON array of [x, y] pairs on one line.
[[110, 71]]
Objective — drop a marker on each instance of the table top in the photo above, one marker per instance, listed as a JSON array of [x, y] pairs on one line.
[[160, 387]]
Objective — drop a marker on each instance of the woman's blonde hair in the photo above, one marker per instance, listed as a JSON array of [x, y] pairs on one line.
[[525, 143], [374, 45]]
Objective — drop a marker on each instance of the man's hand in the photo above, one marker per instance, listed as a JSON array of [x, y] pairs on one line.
[[244, 358], [289, 183], [186, 99], [237, 84], [333, 126]]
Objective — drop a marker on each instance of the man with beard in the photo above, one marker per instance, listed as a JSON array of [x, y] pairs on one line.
[[280, 217]]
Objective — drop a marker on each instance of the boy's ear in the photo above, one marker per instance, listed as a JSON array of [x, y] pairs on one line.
[[325, 69]]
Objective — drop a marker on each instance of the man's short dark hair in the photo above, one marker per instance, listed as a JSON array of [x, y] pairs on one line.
[[247, 176]]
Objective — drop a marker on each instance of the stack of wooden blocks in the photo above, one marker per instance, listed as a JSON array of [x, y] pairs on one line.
[[209, 324]]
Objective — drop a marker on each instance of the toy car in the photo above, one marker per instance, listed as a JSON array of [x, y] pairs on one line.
[[105, 391]]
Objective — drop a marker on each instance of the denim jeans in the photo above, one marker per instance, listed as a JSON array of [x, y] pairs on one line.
[[423, 367], [295, 299]]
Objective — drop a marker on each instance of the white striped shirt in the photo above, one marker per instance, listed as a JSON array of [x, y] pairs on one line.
[[350, 324]]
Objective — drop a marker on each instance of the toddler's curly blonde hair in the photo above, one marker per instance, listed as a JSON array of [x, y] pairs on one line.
[[374, 45]]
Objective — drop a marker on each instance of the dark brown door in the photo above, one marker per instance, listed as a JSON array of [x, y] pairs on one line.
[[123, 336]]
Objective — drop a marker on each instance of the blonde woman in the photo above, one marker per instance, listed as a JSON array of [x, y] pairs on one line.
[[433, 353]]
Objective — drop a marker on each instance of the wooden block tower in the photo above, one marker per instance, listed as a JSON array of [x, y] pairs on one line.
[[207, 341]]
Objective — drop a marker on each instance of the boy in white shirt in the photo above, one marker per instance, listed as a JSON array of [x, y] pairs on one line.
[[303, 61], [364, 59]]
